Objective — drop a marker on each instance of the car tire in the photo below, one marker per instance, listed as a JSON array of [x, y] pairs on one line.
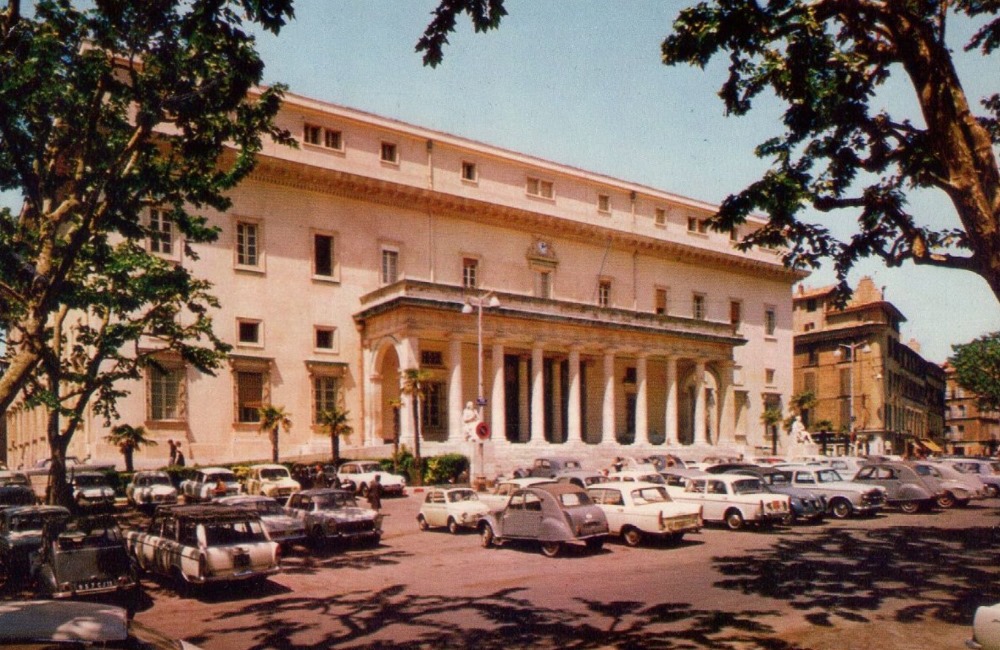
[[486, 536], [316, 537], [734, 519], [632, 536], [551, 549], [422, 523], [841, 508], [181, 586], [910, 507], [992, 491], [946, 500], [453, 526], [595, 544]]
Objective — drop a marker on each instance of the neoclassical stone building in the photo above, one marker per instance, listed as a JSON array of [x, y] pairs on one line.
[[612, 321]]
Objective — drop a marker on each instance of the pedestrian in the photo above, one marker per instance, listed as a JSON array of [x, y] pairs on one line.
[[173, 451], [180, 457], [375, 493]]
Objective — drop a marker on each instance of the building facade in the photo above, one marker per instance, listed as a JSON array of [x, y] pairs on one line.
[[583, 314], [969, 431], [873, 393]]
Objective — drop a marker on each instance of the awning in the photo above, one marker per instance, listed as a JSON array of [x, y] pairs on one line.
[[930, 445]]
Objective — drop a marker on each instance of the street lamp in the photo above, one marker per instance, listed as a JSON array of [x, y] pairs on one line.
[[474, 303], [852, 350]]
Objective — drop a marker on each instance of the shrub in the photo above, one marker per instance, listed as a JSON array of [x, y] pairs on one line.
[[445, 469]]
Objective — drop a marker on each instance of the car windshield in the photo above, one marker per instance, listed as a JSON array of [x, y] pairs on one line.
[[87, 480], [574, 499], [158, 479], [234, 532], [369, 467], [268, 507], [33, 521], [828, 476], [927, 470], [334, 500], [747, 486], [274, 473], [650, 495], [462, 495], [225, 477]]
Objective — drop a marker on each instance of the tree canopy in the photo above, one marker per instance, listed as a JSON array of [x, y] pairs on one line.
[[841, 152], [977, 369]]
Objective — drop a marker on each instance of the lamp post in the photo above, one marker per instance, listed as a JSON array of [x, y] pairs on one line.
[[477, 304], [852, 350]]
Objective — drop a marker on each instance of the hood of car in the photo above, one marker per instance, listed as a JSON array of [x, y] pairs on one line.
[[347, 514], [281, 522]]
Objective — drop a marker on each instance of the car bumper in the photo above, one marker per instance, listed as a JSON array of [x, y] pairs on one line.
[[244, 574], [94, 588]]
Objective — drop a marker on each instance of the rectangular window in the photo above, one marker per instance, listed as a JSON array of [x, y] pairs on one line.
[[247, 244], [470, 272], [249, 395], [735, 313], [390, 266], [324, 395], [323, 255], [164, 393], [311, 134], [692, 224], [604, 293], [811, 304], [769, 376], [698, 306], [432, 358], [661, 302], [333, 139], [770, 321], [434, 405], [539, 187], [543, 286], [813, 358], [660, 217], [603, 203], [249, 331], [161, 232], [324, 338], [390, 153], [469, 172]]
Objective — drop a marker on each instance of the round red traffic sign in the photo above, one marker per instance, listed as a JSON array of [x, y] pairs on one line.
[[483, 431]]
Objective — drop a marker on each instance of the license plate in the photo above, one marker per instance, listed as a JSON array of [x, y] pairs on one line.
[[241, 561]]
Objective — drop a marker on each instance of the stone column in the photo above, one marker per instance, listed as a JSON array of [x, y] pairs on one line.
[[455, 404], [407, 351], [574, 430], [557, 416], [537, 394], [498, 400], [641, 400], [670, 413], [608, 404], [700, 432], [727, 406], [524, 421]]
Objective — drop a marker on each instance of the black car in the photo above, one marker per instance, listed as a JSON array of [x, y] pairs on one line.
[[21, 535]]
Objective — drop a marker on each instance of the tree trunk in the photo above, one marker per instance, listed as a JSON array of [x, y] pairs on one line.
[[128, 452], [274, 445], [335, 448], [58, 492], [419, 478]]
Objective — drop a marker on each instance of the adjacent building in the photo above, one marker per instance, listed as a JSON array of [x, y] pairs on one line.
[[580, 314], [873, 393], [969, 431]]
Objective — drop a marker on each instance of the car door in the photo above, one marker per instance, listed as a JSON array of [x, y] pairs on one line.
[[613, 505], [435, 508], [523, 515], [717, 498]]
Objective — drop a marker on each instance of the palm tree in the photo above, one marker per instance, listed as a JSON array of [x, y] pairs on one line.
[[396, 405], [804, 403], [271, 418], [415, 384], [334, 419], [128, 439], [771, 417]]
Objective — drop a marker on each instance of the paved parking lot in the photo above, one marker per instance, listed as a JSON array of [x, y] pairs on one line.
[[893, 581]]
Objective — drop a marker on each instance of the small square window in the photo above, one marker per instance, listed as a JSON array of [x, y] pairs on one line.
[[333, 139], [311, 134], [249, 331], [390, 153], [324, 338], [660, 217], [603, 203], [769, 376], [540, 188], [469, 172], [432, 358]]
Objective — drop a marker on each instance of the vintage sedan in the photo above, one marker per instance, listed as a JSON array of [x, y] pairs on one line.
[[271, 481], [201, 544], [843, 498], [360, 474], [330, 514], [451, 506], [971, 482], [736, 501], [15, 490], [985, 628], [210, 483], [676, 479], [582, 478], [281, 525], [636, 511], [806, 506], [92, 491], [21, 535], [501, 492], [86, 558], [551, 514], [551, 466], [988, 471], [954, 487], [904, 487], [149, 489]]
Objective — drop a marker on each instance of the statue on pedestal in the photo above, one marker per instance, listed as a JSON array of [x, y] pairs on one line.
[[470, 418]]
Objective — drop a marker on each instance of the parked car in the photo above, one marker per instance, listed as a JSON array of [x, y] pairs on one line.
[[663, 461], [281, 525], [92, 491], [985, 628], [501, 491], [988, 471], [972, 482], [551, 466], [551, 514], [736, 500], [200, 544], [581, 478], [843, 498], [210, 483], [149, 489], [723, 468], [953, 489], [676, 479], [330, 514], [454, 507], [904, 487], [9, 477], [271, 481], [805, 505], [361, 474], [637, 475], [21, 535], [636, 511], [86, 557], [15, 490]]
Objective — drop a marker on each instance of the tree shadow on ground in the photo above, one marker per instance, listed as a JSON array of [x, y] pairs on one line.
[[848, 574], [396, 618]]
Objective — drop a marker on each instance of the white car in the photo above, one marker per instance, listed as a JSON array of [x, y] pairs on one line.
[[361, 473], [736, 500], [150, 489], [454, 507], [194, 545], [644, 475], [210, 483], [843, 498], [985, 628], [273, 481], [636, 510], [91, 490], [498, 498]]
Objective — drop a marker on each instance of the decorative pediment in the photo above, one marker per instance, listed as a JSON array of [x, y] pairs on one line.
[[542, 252]]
